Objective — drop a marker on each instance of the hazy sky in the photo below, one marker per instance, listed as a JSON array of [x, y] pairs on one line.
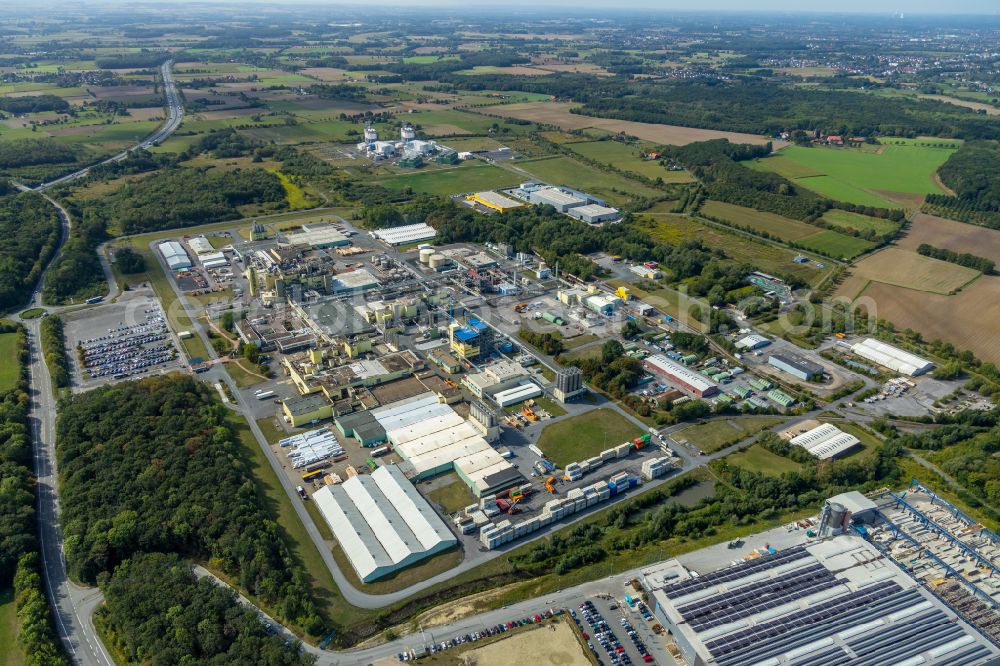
[[883, 6]]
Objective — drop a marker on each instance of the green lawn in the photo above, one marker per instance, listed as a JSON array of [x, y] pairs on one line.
[[628, 157], [9, 368], [452, 497], [859, 175], [854, 221], [758, 459], [10, 651], [445, 182], [566, 171], [580, 437], [720, 433], [836, 244]]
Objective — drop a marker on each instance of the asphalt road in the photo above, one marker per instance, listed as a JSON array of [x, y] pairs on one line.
[[175, 113]]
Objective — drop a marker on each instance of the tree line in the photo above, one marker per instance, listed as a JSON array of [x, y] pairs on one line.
[[53, 341], [966, 259], [154, 466], [973, 173]]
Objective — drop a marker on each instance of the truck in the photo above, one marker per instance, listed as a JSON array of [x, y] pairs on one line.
[[302, 492], [380, 451], [265, 395]]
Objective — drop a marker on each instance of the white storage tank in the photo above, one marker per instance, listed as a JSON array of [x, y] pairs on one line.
[[426, 254]]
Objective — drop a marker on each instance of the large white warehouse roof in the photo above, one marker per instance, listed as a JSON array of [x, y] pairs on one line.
[[894, 358], [174, 255], [826, 441], [382, 522], [410, 233]]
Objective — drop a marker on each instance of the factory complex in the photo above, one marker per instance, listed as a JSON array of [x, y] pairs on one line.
[[681, 375], [382, 523]]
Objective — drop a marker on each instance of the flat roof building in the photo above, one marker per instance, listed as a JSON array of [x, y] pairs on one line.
[[512, 396], [796, 366], [303, 409], [894, 358], [356, 280], [836, 601], [675, 373], [552, 196], [175, 256], [411, 233], [494, 201], [752, 341], [320, 235], [382, 523], [826, 441], [594, 214]]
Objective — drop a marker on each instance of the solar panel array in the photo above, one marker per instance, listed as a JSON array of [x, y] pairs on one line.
[[741, 570], [756, 597]]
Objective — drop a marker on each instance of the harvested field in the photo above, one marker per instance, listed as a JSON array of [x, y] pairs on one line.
[[552, 644], [906, 268], [557, 113], [969, 320], [324, 73], [978, 106], [851, 287], [952, 235]]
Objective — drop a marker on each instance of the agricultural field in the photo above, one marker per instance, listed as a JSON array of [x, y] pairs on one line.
[[898, 173], [617, 190], [628, 158], [671, 228], [11, 653], [445, 182], [848, 221], [969, 319], [586, 435], [776, 226], [905, 268], [951, 235], [836, 244], [558, 115], [720, 433]]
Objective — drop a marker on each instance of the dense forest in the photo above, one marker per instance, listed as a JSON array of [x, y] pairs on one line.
[[973, 174], [33, 104], [152, 466], [138, 59], [53, 341], [19, 562], [27, 152], [29, 234], [157, 612]]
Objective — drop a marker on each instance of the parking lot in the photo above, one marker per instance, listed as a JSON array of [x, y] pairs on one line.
[[122, 340], [610, 634]]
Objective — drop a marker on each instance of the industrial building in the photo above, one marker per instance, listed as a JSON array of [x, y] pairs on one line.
[[594, 213], [894, 358], [175, 256], [796, 366], [838, 601], [826, 441], [353, 281], [647, 272], [752, 342], [382, 523], [494, 201], [559, 199], [363, 427], [411, 233], [208, 256], [432, 438], [318, 235], [569, 382], [680, 375], [303, 409], [517, 394]]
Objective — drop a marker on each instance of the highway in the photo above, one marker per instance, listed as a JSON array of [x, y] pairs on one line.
[[175, 114]]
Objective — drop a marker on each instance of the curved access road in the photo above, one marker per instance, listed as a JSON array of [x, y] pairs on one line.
[[175, 113]]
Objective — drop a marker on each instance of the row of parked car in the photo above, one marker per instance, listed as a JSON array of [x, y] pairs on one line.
[[478, 635], [601, 632]]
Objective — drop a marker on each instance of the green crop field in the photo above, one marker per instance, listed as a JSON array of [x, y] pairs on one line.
[[776, 226], [446, 122], [585, 436], [836, 244], [10, 652], [720, 433], [427, 59], [444, 182], [864, 176], [853, 221], [571, 173], [9, 369], [628, 158]]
